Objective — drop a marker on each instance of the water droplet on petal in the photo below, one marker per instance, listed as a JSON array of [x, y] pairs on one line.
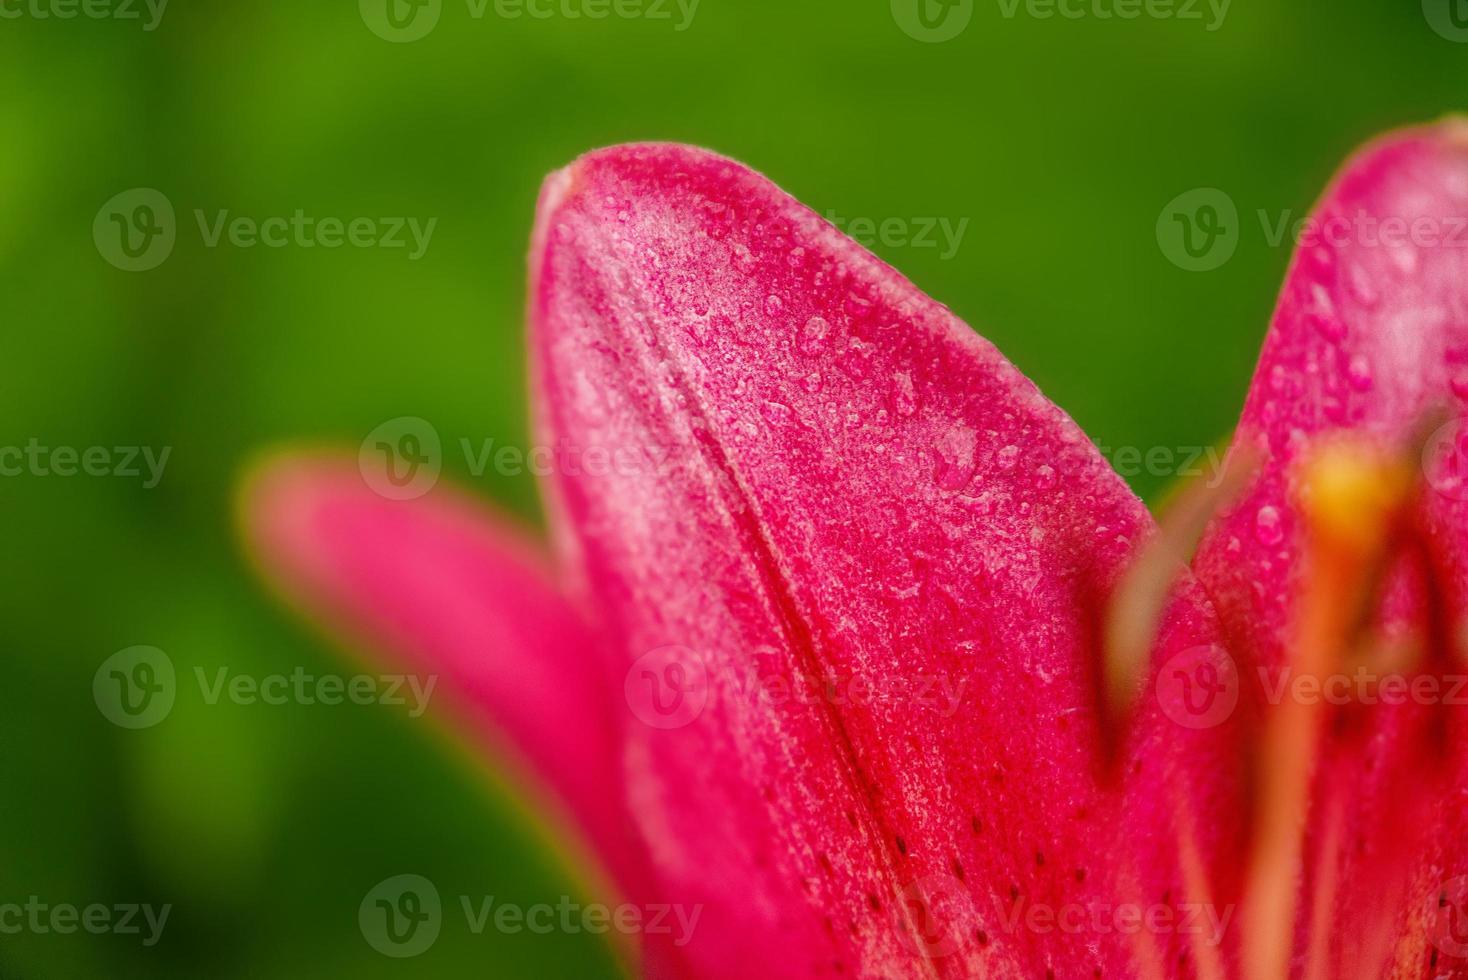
[[814, 336], [777, 413], [904, 398], [1008, 456], [1045, 478], [955, 450], [1267, 526], [773, 304], [1329, 326], [1358, 373], [858, 360], [1360, 286]]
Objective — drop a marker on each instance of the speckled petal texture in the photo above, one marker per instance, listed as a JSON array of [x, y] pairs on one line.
[[1371, 336], [867, 560]]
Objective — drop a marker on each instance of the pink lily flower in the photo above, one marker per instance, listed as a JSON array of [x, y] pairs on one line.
[[855, 644]]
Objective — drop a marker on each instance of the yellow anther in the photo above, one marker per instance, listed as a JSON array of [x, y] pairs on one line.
[[1353, 494]]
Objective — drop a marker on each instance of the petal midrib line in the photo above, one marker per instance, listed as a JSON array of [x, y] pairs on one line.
[[743, 514]]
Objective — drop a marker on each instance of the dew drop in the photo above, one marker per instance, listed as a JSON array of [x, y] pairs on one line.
[[1008, 456], [1045, 478], [773, 304], [1330, 327], [813, 382], [1323, 258], [777, 413], [1360, 286], [904, 398], [1358, 373], [1267, 526], [796, 258], [955, 451], [815, 335], [858, 360]]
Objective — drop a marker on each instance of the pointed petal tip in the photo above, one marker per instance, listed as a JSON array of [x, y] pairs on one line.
[[277, 492], [1454, 128]]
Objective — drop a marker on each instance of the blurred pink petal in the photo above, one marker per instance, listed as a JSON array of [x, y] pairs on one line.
[[1370, 337], [451, 590]]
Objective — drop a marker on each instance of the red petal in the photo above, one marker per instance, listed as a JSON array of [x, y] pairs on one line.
[[1370, 335], [452, 591], [827, 477]]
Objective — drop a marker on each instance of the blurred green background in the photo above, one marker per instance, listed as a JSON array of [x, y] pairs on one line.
[[1060, 142]]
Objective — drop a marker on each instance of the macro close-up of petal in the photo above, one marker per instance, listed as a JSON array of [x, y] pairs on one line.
[[842, 599], [1369, 345], [705, 490]]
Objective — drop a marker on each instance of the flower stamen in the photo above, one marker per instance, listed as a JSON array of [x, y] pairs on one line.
[[1137, 604], [1354, 500]]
